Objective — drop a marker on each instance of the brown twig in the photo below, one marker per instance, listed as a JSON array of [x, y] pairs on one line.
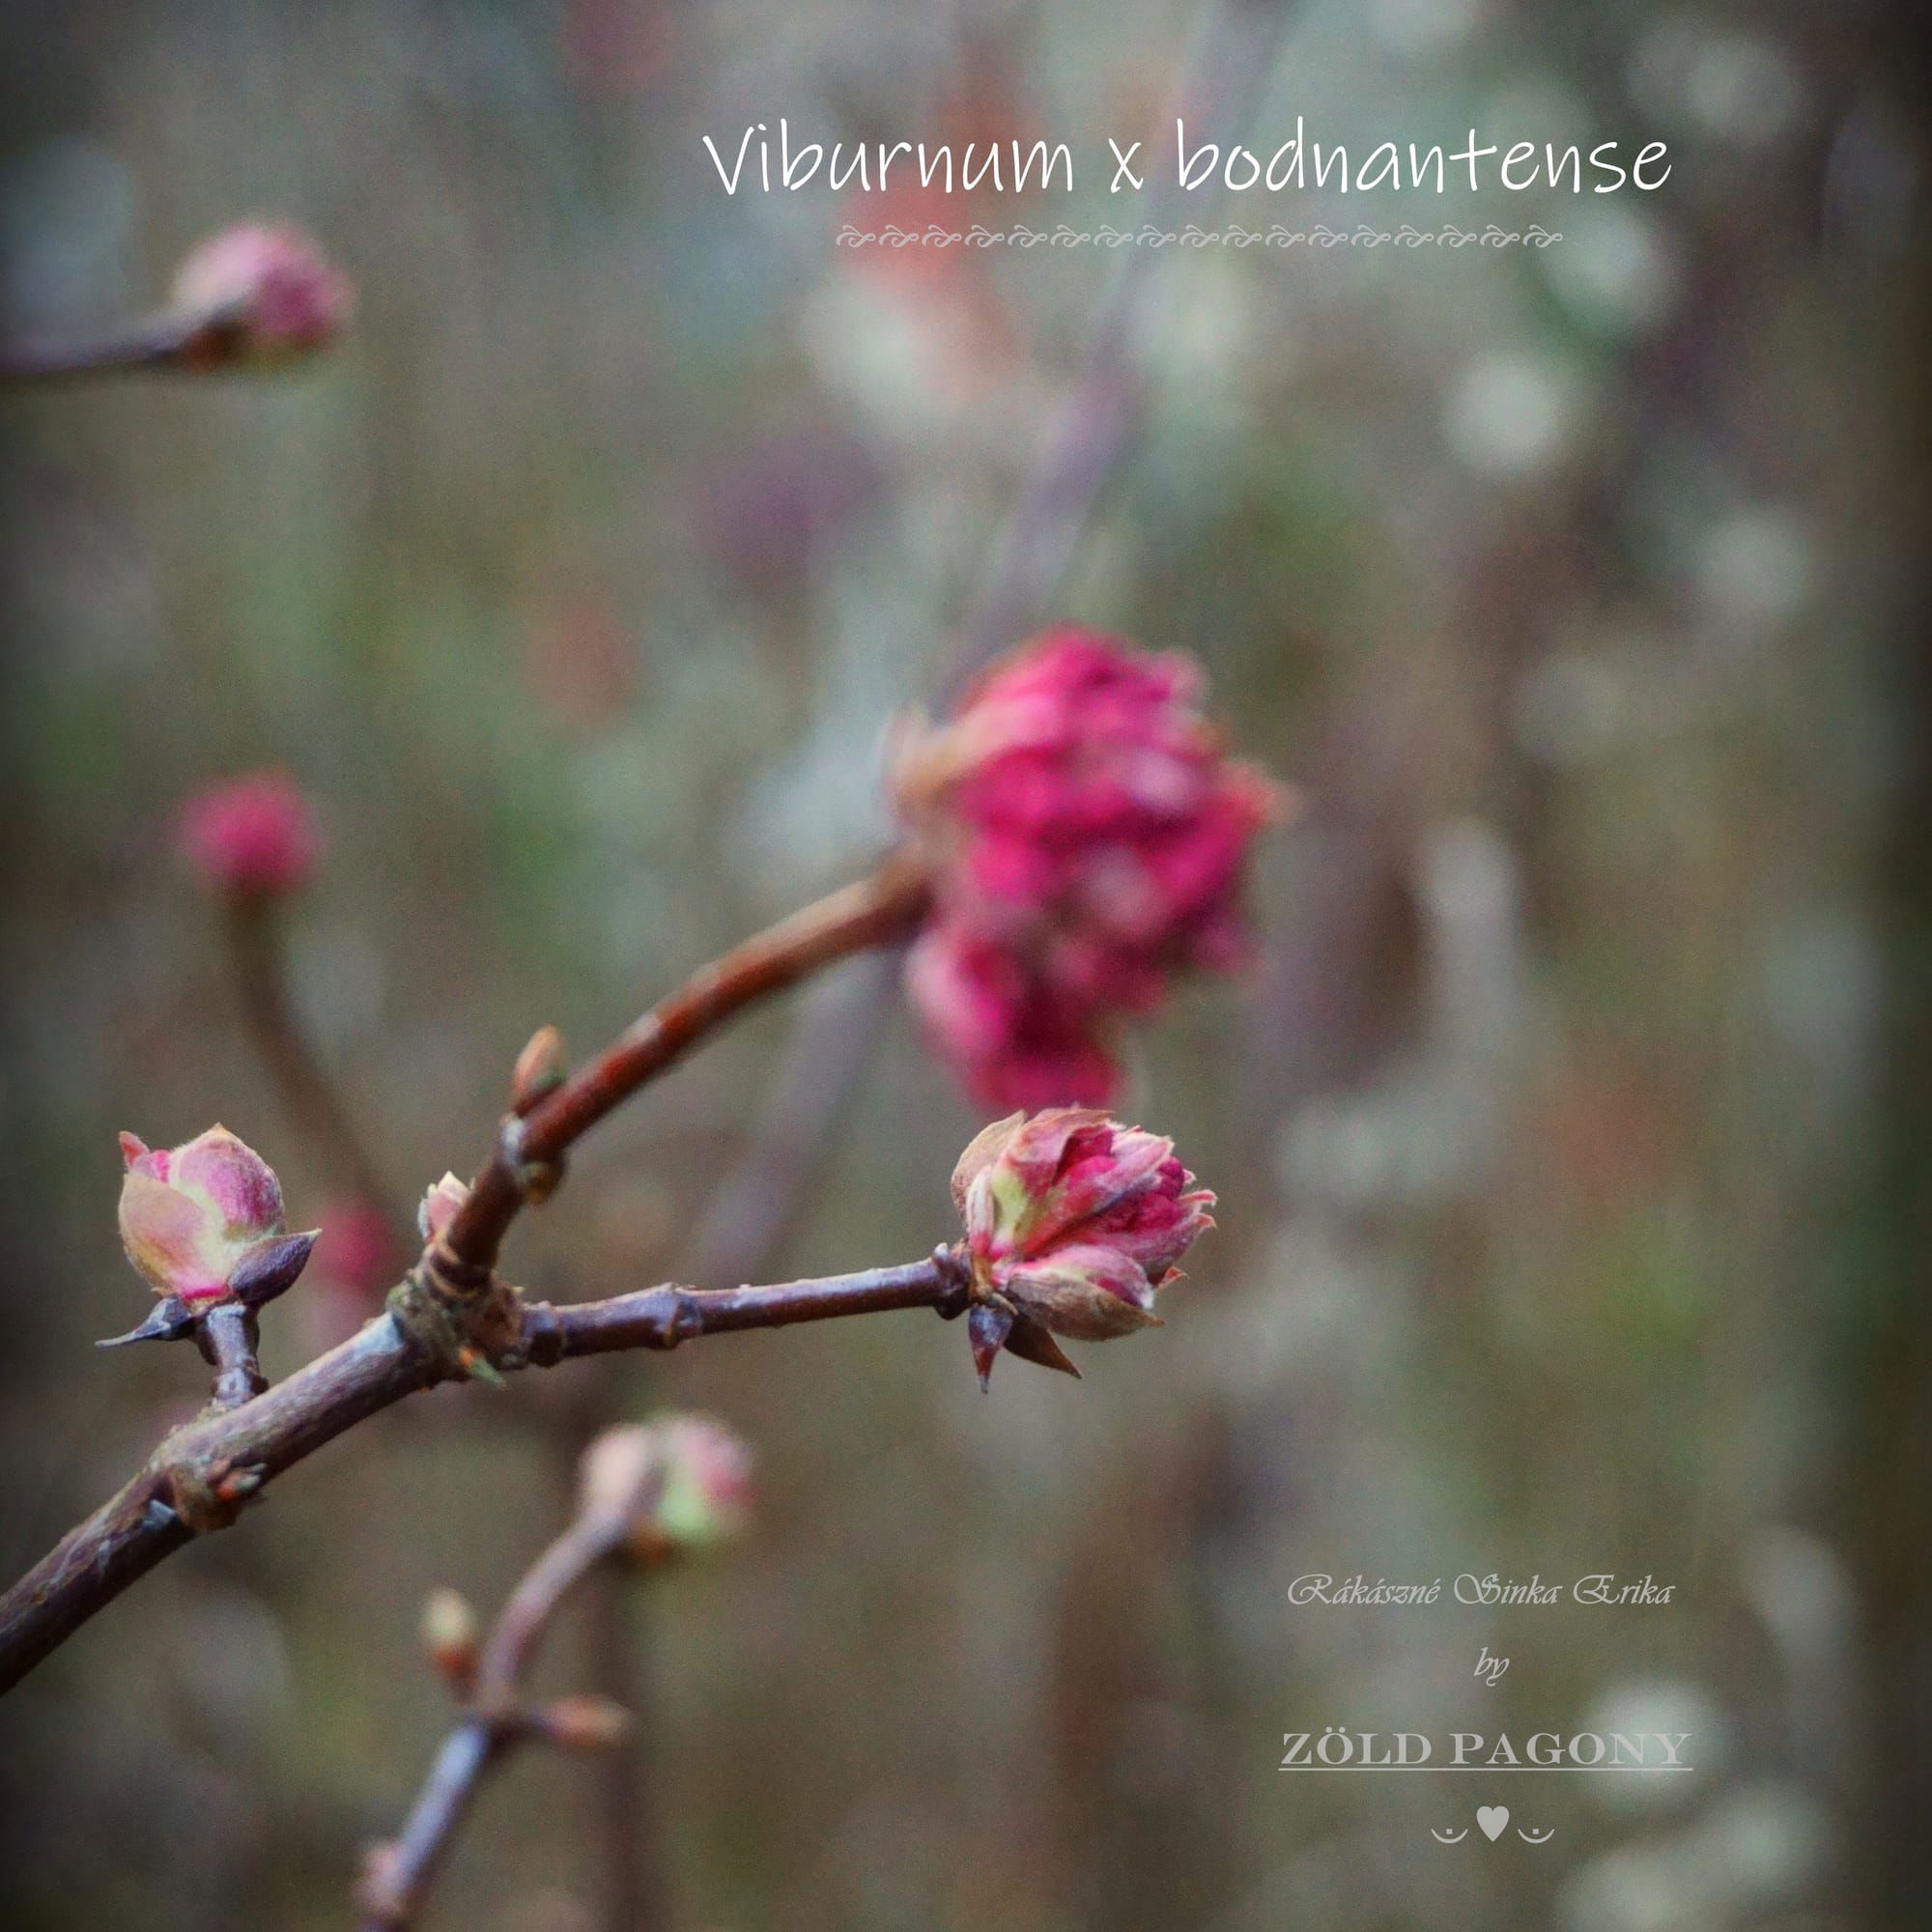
[[631, 1882], [452, 1317], [315, 1105], [198, 1476], [494, 1721], [155, 342], [228, 1340], [875, 911]]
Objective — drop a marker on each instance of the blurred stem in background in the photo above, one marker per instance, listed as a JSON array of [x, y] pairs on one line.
[[318, 1111], [1889, 1475], [645, 1495]]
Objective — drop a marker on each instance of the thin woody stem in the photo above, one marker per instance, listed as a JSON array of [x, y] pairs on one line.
[[873, 912], [155, 342], [314, 1103], [199, 1473], [400, 1873], [631, 1882], [228, 1340]]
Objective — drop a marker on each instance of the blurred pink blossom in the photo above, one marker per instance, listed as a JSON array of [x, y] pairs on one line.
[[251, 837], [355, 1250], [264, 293]]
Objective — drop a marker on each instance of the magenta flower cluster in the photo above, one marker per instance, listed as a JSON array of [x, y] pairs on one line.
[[1087, 837]]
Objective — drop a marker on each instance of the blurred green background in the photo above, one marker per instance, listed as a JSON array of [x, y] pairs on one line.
[[1568, 1129]]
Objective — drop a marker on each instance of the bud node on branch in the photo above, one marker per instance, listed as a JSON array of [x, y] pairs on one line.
[[208, 1493], [459, 1331]]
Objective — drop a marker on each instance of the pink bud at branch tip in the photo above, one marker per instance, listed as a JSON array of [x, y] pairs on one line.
[[1087, 837], [203, 1221], [678, 1485], [1072, 1224], [253, 837], [259, 295]]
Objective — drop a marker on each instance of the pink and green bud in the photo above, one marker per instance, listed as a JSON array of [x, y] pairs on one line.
[[1073, 1223], [583, 1722], [252, 839], [203, 1221], [259, 295], [676, 1486], [708, 1494], [1087, 837]]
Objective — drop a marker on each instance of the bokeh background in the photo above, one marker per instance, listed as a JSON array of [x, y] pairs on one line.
[[1569, 1128]]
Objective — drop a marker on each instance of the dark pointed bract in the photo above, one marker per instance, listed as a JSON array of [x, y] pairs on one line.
[[272, 1267], [171, 1319], [989, 1324], [1032, 1343]]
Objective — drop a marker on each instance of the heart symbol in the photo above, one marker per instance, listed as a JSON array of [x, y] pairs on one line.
[[1492, 1818]]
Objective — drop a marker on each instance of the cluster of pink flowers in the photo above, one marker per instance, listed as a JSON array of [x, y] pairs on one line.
[[1087, 837], [262, 294], [252, 837], [1072, 1223]]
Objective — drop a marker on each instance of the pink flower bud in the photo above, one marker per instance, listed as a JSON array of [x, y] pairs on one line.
[[192, 1217], [680, 1484], [252, 839], [261, 295], [438, 1205], [1072, 1223], [1087, 838]]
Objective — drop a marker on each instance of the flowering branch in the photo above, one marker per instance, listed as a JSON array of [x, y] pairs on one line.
[[452, 1317], [648, 1495], [251, 295], [1076, 838], [199, 1476], [874, 911]]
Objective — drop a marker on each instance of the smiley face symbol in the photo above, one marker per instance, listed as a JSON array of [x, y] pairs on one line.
[[1534, 1837], [1454, 1837]]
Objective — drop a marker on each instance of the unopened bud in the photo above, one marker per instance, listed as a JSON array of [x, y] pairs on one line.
[[201, 1219], [585, 1723], [707, 1493], [539, 1070], [438, 1206], [680, 1484], [450, 1636], [1072, 1223], [259, 295], [618, 1471]]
